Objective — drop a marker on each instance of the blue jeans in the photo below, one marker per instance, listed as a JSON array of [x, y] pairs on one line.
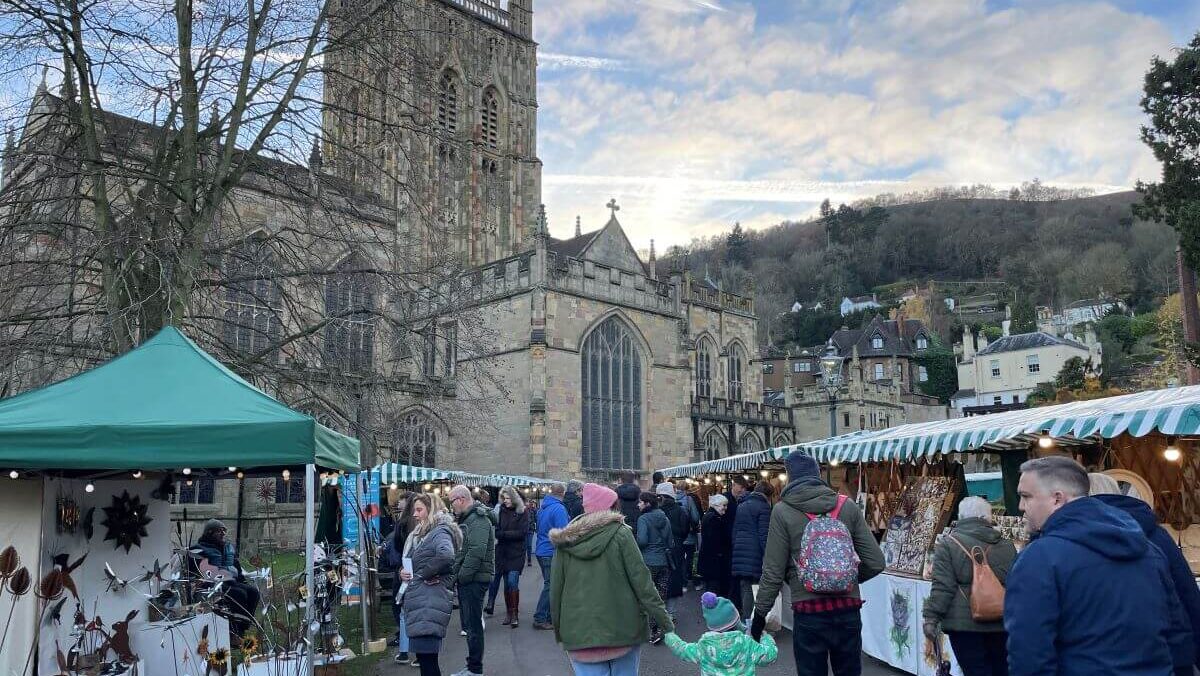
[[401, 629], [493, 589], [512, 582], [626, 665], [529, 541], [542, 614]]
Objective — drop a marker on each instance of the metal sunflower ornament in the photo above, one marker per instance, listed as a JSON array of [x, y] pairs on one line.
[[218, 662]]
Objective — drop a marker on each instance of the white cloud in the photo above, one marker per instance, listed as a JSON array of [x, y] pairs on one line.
[[738, 112], [555, 61]]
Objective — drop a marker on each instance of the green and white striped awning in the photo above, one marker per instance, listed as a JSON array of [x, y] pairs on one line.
[[732, 463], [393, 472], [407, 474], [1174, 411], [516, 480]]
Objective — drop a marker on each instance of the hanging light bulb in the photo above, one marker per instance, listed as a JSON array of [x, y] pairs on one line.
[[1045, 441], [14, 474], [394, 485], [765, 474], [428, 486], [287, 474], [782, 476], [187, 471], [90, 487], [189, 482], [835, 462], [137, 474], [241, 474], [234, 469], [1172, 452]]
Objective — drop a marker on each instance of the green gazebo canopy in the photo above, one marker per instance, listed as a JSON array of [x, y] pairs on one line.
[[165, 405]]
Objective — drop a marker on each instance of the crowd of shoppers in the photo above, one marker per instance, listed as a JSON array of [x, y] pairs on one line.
[[1100, 589]]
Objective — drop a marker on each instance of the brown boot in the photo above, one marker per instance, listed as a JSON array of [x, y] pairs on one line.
[[516, 608], [508, 608]]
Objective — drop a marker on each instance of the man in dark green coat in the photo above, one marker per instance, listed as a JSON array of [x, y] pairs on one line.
[[473, 569], [827, 629], [978, 646]]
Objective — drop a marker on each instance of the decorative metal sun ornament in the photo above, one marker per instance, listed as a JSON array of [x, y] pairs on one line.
[[126, 521]]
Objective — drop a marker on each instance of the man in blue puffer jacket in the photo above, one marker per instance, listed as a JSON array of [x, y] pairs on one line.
[[1089, 596], [551, 515], [750, 528]]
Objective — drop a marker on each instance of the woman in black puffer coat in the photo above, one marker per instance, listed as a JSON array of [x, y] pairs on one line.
[[510, 549], [750, 526], [427, 605], [715, 545]]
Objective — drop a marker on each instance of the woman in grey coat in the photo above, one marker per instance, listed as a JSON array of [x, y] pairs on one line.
[[427, 605]]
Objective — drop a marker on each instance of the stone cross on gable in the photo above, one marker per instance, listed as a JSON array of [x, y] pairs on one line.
[[612, 205]]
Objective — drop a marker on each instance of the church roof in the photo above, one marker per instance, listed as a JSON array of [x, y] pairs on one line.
[[123, 133], [607, 246], [573, 247]]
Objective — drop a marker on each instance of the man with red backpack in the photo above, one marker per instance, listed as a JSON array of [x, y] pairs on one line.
[[820, 546]]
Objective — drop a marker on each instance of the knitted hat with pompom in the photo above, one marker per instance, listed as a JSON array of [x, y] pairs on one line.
[[719, 613]]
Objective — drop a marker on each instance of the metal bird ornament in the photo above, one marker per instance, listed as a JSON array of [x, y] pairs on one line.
[[61, 564], [114, 583]]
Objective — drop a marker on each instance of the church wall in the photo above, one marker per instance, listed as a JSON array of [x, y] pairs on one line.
[[726, 328], [666, 426]]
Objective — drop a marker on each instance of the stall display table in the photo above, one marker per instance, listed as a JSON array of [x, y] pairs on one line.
[[891, 620]]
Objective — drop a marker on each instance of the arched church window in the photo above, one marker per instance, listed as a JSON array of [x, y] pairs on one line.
[[349, 306], [447, 104], [490, 119], [612, 398], [252, 299], [714, 445], [414, 441], [704, 366], [750, 443], [737, 362]]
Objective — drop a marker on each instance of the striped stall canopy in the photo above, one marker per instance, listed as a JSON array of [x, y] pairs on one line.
[[729, 464], [1174, 411], [393, 472], [516, 480]]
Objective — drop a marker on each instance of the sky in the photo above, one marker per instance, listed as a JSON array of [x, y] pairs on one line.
[[695, 114]]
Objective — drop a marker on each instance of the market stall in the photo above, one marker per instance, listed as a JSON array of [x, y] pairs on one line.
[[1146, 440], [108, 581]]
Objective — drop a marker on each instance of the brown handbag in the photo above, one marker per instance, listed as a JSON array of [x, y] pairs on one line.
[[987, 594]]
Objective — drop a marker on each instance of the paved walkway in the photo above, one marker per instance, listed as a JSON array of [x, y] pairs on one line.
[[527, 652]]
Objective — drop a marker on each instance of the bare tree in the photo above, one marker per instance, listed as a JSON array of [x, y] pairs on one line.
[[160, 185]]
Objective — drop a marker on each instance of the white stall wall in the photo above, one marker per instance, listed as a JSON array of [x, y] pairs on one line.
[[21, 527], [158, 648]]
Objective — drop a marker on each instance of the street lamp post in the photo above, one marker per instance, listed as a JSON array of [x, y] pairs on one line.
[[831, 381]]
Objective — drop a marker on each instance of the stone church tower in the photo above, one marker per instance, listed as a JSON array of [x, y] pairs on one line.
[[444, 123]]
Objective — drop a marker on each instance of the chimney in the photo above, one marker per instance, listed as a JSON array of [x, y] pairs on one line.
[[652, 260], [968, 351], [578, 226]]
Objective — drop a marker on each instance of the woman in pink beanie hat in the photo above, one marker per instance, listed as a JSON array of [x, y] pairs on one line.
[[601, 593], [597, 498]]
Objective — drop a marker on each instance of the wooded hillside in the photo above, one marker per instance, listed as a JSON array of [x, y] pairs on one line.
[[1046, 252]]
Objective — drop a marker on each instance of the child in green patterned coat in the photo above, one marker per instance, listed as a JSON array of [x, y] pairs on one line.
[[725, 649]]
